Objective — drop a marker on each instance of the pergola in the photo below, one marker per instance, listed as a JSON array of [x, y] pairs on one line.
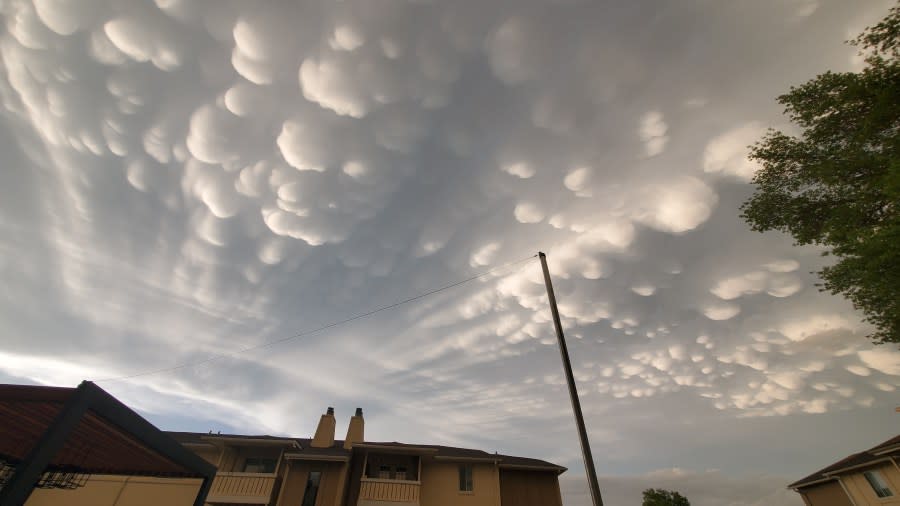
[[53, 437]]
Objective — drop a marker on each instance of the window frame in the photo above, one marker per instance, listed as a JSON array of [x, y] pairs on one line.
[[466, 475], [878, 484], [308, 500], [261, 461]]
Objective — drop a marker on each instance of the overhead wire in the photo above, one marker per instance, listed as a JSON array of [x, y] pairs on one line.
[[305, 333]]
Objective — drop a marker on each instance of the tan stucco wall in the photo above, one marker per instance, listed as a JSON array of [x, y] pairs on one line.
[[209, 454], [862, 492], [121, 491], [825, 494], [529, 488], [440, 485], [330, 486], [234, 456]]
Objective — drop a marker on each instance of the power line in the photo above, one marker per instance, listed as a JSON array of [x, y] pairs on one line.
[[318, 329]]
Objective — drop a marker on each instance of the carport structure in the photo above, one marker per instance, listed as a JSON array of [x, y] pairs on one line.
[[52, 437]]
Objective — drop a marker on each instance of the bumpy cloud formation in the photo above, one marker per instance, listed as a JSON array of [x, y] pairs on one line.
[[192, 177]]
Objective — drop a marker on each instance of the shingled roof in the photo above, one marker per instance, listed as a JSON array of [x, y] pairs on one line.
[[302, 448], [877, 453]]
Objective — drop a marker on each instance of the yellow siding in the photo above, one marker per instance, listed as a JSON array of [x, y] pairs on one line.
[[825, 494], [862, 492], [210, 454], [440, 485], [330, 485], [121, 491], [389, 490]]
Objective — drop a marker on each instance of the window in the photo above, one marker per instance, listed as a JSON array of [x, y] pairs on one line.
[[312, 488], [259, 465], [878, 484], [465, 479]]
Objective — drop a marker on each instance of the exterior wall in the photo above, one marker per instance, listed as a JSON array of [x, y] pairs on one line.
[[102, 490], [862, 492], [826, 494], [331, 484], [209, 454], [529, 488], [440, 485], [234, 456]]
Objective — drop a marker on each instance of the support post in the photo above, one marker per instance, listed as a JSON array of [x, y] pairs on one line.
[[202, 492], [573, 392], [29, 471]]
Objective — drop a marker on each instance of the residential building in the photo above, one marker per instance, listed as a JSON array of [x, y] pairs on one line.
[[324, 471], [871, 477]]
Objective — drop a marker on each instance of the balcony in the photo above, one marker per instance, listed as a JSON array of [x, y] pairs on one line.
[[242, 488], [375, 489]]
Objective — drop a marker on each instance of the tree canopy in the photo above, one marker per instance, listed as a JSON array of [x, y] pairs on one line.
[[837, 183], [660, 497]]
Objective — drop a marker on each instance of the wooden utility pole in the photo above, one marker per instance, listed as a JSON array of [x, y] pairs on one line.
[[573, 392]]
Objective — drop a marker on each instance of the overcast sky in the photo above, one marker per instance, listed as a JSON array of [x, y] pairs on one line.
[[187, 178]]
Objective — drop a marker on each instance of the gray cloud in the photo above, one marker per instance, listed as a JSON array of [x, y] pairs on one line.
[[705, 488], [188, 178]]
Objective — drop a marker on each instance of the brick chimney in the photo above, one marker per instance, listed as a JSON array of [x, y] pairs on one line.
[[356, 430], [324, 437]]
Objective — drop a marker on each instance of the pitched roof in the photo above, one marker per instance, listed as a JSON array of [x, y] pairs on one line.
[[104, 435], [870, 456], [337, 450]]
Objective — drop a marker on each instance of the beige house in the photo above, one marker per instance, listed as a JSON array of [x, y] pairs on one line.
[[323, 471], [867, 478]]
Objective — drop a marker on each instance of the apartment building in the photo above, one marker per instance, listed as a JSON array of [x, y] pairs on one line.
[[324, 471], [867, 478]]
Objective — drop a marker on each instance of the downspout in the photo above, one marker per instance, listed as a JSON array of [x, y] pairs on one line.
[[841, 482]]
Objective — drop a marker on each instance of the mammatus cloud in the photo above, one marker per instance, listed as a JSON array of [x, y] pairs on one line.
[[653, 133], [727, 153], [186, 179]]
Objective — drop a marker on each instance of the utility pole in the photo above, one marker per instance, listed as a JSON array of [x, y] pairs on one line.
[[573, 392]]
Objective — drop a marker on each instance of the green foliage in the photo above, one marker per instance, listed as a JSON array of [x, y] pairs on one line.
[[838, 184], [660, 497]]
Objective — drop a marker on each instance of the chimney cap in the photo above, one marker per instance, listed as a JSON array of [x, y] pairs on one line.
[[329, 411], [358, 412]]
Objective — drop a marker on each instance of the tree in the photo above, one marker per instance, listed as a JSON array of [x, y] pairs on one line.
[[660, 497], [837, 184]]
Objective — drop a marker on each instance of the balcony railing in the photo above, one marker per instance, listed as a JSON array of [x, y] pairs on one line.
[[375, 489], [242, 488]]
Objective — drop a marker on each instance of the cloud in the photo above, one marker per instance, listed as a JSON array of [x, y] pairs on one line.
[[727, 153], [653, 133], [514, 50], [520, 169], [526, 212], [885, 361], [329, 84], [675, 206], [577, 179], [720, 311], [701, 488], [189, 178]]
